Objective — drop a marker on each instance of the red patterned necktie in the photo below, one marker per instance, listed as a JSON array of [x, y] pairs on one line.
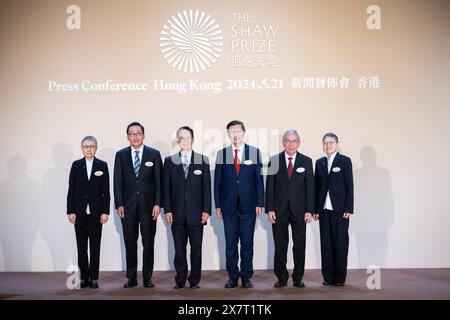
[[290, 168], [237, 165]]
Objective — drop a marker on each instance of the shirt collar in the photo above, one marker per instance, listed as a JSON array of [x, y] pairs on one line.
[[241, 147], [331, 159], [287, 156], [187, 153], [141, 150]]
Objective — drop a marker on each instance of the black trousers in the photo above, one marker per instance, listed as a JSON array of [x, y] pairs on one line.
[[131, 223], [281, 238], [334, 245], [88, 229], [181, 235]]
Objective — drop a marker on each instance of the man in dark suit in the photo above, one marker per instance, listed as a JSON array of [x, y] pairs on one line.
[[88, 208], [334, 204], [239, 199], [187, 205], [137, 195], [290, 201]]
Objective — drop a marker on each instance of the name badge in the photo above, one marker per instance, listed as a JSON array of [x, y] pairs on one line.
[[336, 169], [198, 172], [248, 162], [98, 173], [300, 170], [149, 164]]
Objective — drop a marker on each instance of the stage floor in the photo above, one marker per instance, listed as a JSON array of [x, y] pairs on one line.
[[395, 284]]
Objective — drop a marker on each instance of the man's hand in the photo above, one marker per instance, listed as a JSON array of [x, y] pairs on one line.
[[72, 217], [169, 217], [121, 212], [346, 215], [156, 211], [219, 213], [316, 216], [103, 218], [205, 217], [308, 217], [258, 211], [271, 217]]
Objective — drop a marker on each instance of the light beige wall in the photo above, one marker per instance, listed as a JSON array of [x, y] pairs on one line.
[[396, 135]]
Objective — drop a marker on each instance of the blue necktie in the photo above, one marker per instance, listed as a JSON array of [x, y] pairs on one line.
[[137, 163]]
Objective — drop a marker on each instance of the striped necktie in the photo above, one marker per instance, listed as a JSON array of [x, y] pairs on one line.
[[185, 163], [137, 163]]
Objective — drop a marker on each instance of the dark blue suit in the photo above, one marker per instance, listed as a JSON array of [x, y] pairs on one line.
[[238, 196], [333, 227], [138, 195], [187, 198]]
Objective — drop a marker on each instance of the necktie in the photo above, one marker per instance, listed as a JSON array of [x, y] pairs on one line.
[[137, 163], [185, 164], [237, 165], [290, 168]]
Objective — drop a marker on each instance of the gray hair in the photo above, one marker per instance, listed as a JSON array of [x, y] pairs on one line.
[[330, 135], [289, 132], [89, 138]]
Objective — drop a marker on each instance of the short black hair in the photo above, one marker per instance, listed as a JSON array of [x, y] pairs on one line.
[[235, 123], [330, 135], [135, 124], [186, 128]]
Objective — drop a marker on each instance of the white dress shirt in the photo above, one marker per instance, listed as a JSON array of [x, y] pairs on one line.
[[133, 153], [186, 156], [328, 205], [287, 159], [240, 152], [89, 164]]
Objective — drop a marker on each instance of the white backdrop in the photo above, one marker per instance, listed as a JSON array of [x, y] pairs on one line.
[[396, 134]]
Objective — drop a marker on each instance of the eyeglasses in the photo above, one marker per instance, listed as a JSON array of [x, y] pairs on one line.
[[329, 143], [291, 141], [135, 134], [89, 147]]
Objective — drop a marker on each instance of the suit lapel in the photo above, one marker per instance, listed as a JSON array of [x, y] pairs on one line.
[[229, 162], [335, 162], [84, 166], [130, 159]]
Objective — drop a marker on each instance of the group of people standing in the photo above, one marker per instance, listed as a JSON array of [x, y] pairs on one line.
[[143, 184]]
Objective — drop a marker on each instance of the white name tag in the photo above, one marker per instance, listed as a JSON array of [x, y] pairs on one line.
[[336, 169], [98, 173], [198, 172], [300, 170], [149, 164], [248, 162]]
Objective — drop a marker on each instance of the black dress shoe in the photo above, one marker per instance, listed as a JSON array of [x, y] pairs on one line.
[[231, 284], [194, 286], [84, 284], [178, 286], [280, 284], [326, 283], [299, 284], [130, 284], [247, 283], [148, 284], [339, 284], [94, 284]]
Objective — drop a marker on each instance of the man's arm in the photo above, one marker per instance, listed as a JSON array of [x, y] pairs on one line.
[[118, 182], [105, 191], [71, 191], [348, 180]]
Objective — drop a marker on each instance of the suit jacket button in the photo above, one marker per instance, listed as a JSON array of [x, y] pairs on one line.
[[137, 192], [237, 181]]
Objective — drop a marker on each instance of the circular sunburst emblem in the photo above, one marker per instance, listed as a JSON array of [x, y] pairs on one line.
[[191, 41]]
